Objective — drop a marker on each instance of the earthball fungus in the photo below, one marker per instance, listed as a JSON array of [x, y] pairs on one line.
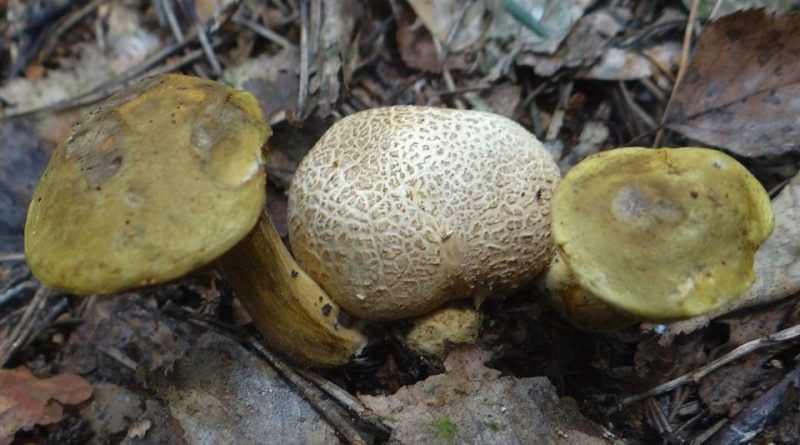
[[654, 234], [163, 178], [397, 210]]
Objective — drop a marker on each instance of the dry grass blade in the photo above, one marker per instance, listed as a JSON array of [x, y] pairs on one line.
[[687, 43]]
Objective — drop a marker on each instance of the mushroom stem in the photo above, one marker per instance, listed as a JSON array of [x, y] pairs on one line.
[[295, 316]]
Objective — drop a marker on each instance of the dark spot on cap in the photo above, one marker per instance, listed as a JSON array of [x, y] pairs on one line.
[[694, 194], [294, 274], [326, 310]]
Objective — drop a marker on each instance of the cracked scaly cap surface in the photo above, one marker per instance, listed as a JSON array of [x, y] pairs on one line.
[[662, 234], [161, 178], [396, 210]]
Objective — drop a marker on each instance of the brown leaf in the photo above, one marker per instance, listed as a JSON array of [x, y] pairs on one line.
[[471, 403], [222, 394], [26, 400], [416, 45], [742, 89]]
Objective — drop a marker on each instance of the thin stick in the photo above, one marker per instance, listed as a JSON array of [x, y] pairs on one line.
[[264, 32], [46, 321], [24, 326], [174, 26], [698, 374], [12, 256], [303, 89], [54, 37], [687, 43], [327, 409], [103, 90], [637, 110], [16, 290], [109, 88], [208, 49], [761, 412], [348, 401]]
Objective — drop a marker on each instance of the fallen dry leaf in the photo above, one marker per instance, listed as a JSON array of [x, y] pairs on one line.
[[112, 409], [221, 394], [728, 389], [127, 327], [777, 263], [471, 403], [741, 91], [26, 400], [273, 79], [332, 52], [586, 43]]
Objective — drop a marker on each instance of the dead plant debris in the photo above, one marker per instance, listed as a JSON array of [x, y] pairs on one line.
[[583, 75]]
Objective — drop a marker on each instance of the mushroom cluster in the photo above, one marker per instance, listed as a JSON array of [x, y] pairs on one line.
[[392, 213]]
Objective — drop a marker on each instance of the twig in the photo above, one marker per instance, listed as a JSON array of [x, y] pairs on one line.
[[303, 88], [208, 50], [327, 409], [762, 411], [47, 320], [119, 357], [101, 91], [264, 32], [16, 290], [54, 37], [519, 13], [24, 327], [12, 256], [687, 43], [637, 110], [558, 115], [110, 87], [698, 374], [174, 26], [348, 401]]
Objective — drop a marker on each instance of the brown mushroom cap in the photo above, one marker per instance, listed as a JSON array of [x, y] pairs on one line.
[[661, 234], [160, 179], [397, 210]]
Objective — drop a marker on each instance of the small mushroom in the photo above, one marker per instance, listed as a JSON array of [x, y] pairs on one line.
[[452, 324], [397, 210], [164, 178], [654, 234]]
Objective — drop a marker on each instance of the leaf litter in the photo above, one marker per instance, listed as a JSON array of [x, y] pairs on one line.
[[600, 80]]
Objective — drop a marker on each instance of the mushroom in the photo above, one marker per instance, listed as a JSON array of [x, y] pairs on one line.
[[654, 234], [397, 210], [161, 179], [452, 324]]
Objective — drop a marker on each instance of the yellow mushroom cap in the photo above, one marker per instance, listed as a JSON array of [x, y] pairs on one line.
[[161, 178], [396, 210], [661, 233]]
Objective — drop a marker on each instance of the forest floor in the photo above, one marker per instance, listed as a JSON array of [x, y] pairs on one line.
[[180, 363]]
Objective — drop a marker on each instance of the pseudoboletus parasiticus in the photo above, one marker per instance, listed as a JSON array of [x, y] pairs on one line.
[[163, 178], [655, 235]]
